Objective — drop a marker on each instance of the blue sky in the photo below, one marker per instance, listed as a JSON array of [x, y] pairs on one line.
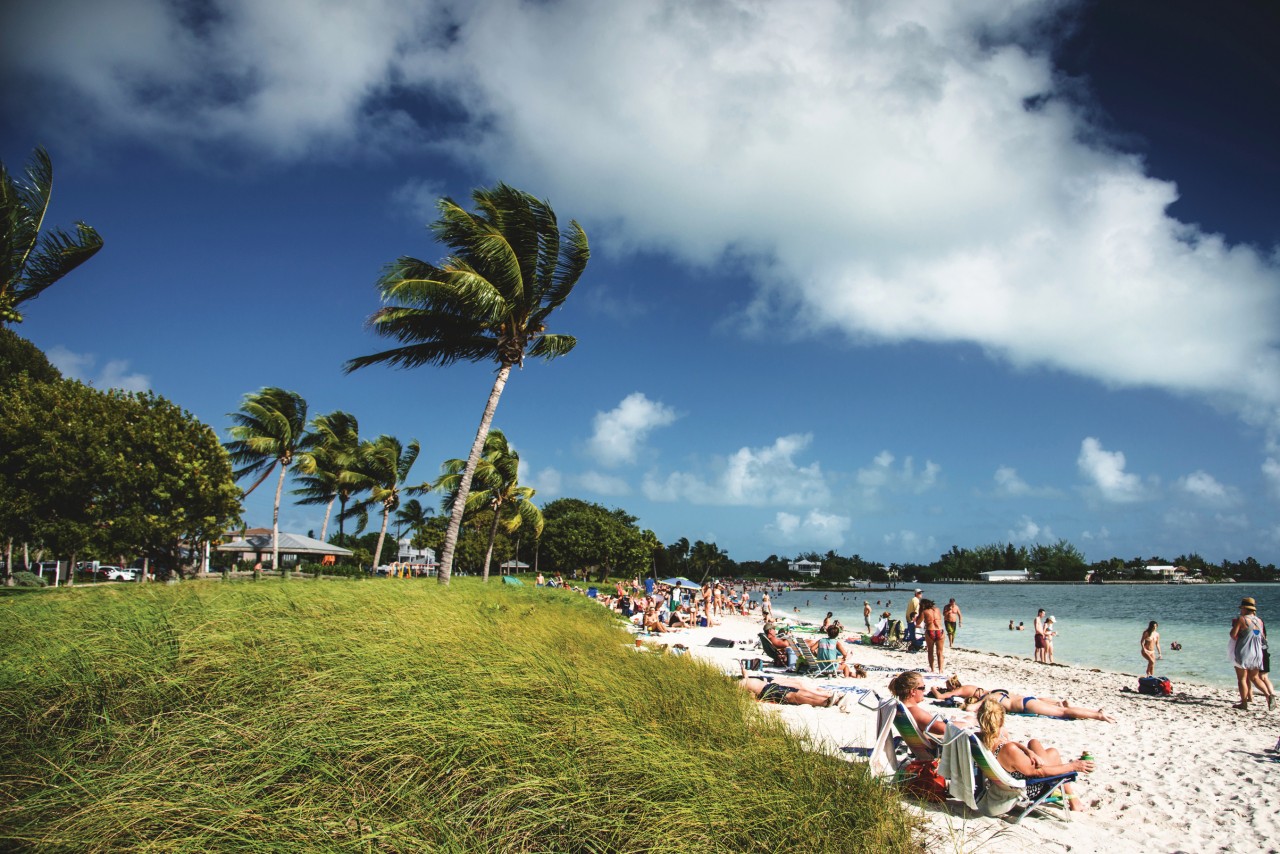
[[873, 277]]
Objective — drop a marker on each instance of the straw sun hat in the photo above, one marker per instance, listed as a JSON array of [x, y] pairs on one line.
[[1247, 602]]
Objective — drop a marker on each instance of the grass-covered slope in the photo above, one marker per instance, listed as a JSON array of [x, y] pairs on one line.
[[391, 716]]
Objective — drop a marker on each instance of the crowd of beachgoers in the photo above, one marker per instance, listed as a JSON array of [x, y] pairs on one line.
[[1162, 773]]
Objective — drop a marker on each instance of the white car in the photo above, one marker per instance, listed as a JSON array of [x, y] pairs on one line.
[[119, 573]]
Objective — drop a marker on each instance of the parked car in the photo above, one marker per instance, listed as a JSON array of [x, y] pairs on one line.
[[104, 572]]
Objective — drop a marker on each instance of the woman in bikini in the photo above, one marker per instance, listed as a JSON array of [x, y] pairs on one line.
[[1151, 647], [1049, 707], [1028, 761], [931, 619], [908, 687]]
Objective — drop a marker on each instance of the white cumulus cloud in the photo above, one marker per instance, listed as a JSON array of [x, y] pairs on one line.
[[1271, 472], [1105, 472], [952, 189], [815, 531], [750, 477], [1206, 488], [911, 544], [1009, 484], [602, 484], [1028, 531], [881, 476], [115, 373], [620, 432]]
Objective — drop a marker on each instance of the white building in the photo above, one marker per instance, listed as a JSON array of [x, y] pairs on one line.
[[1005, 575], [805, 567], [1165, 572], [415, 557]]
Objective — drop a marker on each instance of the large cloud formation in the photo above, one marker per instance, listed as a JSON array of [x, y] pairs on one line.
[[891, 170]]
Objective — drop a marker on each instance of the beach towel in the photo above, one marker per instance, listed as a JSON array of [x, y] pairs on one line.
[[956, 765]]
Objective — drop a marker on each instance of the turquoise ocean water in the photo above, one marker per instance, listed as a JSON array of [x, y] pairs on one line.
[[1098, 625]]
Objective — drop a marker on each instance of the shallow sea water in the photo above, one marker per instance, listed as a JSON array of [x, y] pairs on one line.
[[1099, 625]]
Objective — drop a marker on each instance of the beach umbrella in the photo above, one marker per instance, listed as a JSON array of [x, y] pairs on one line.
[[681, 581]]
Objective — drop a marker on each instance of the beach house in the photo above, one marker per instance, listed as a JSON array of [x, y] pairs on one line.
[[805, 567]]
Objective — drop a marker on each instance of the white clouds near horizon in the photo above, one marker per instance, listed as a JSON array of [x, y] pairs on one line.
[[115, 373], [757, 477]]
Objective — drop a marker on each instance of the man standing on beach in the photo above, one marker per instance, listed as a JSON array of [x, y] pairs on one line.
[[913, 611], [951, 616], [1039, 630]]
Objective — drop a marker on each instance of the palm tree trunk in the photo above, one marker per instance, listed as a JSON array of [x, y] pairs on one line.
[[8, 563], [275, 525], [382, 535], [493, 535], [328, 509], [464, 487]]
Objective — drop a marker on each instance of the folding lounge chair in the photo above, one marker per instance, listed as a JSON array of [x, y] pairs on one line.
[[922, 745], [1004, 794], [891, 753], [779, 656], [812, 666]]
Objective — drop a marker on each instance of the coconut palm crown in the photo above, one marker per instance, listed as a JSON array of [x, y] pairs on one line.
[[267, 431], [31, 261], [328, 452], [381, 468], [510, 267], [496, 487]]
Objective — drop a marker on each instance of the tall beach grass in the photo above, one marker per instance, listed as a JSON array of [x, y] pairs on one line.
[[392, 716]]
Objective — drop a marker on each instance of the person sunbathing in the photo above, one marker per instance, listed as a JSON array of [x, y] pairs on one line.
[[1049, 707], [789, 691], [1030, 761], [652, 622], [908, 687]]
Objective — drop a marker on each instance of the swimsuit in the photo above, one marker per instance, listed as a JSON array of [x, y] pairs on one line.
[[933, 634], [775, 693]]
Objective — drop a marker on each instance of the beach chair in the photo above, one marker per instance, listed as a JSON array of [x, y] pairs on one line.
[[809, 664], [922, 744], [1003, 794], [779, 656]]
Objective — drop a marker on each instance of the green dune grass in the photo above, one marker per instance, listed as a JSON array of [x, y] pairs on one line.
[[392, 716]]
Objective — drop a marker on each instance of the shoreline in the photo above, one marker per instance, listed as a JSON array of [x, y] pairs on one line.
[[1178, 773]]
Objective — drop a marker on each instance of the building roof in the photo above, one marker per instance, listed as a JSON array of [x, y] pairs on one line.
[[293, 544]]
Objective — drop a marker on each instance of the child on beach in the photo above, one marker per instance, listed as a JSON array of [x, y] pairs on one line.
[[1049, 634]]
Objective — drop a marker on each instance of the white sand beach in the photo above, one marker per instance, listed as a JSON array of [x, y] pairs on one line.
[[1178, 773]]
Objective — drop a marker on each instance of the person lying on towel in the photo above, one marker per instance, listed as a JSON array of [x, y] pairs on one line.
[[1019, 704]]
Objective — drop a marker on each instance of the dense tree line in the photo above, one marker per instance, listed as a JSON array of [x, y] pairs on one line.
[[108, 474]]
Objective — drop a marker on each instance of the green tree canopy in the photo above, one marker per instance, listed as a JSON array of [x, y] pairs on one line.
[[109, 473]]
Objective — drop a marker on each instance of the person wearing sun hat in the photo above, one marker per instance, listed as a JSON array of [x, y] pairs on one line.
[[1248, 647]]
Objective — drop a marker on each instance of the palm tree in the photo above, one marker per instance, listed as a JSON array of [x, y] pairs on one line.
[[381, 467], [414, 516], [267, 432], [31, 262], [489, 300], [495, 486], [330, 448]]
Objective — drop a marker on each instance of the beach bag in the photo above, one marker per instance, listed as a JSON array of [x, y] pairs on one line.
[[723, 643], [1156, 686], [921, 780]]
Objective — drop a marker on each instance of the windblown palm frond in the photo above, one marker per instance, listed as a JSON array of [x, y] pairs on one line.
[[509, 266], [32, 261]]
